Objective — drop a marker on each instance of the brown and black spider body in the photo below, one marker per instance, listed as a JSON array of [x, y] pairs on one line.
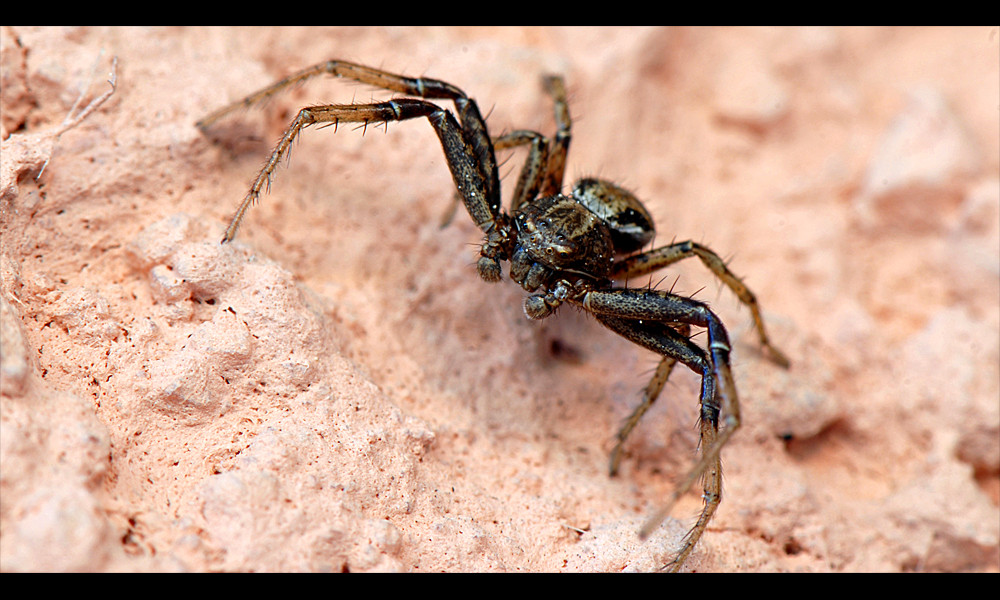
[[564, 248]]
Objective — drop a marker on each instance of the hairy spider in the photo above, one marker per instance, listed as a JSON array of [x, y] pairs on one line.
[[562, 247]]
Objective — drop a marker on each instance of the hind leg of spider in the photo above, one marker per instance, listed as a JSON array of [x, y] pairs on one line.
[[658, 258], [649, 396]]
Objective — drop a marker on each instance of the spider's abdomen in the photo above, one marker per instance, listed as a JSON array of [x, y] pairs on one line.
[[557, 233], [630, 223]]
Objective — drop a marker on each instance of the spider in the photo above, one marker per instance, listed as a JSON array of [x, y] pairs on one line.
[[563, 248]]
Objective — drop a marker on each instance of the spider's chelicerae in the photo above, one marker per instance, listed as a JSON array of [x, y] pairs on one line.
[[562, 248]]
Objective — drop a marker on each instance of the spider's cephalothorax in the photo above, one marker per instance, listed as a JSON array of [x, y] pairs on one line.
[[558, 234], [575, 237], [564, 248]]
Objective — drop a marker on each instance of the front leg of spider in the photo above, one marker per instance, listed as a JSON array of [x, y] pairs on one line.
[[649, 318], [465, 141]]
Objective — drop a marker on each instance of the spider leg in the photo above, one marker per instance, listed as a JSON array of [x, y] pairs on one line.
[[466, 142], [422, 87], [543, 169], [460, 153], [545, 154], [658, 258], [559, 147], [644, 317], [532, 172], [649, 396]]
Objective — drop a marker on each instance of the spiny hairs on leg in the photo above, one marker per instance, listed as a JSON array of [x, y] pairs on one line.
[[465, 141], [331, 114], [303, 119]]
